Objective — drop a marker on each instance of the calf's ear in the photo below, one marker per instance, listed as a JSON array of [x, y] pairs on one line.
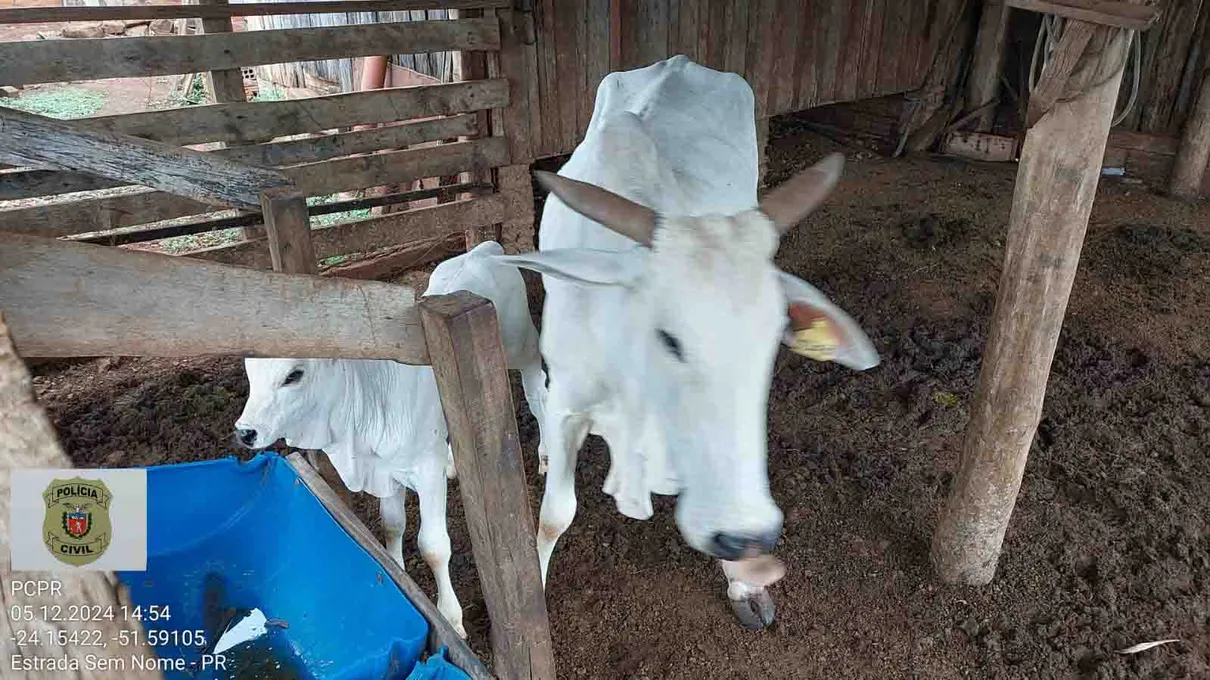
[[581, 266], [821, 331]]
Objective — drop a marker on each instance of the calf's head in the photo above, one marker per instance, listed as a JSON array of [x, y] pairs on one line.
[[705, 312], [287, 398]]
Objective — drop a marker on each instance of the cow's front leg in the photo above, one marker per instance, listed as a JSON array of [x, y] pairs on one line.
[[433, 539], [394, 515], [567, 431], [751, 603]]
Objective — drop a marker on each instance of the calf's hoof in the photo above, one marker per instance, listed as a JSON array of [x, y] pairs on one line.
[[755, 610]]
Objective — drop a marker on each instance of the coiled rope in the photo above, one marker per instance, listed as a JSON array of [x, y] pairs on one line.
[[1049, 32]]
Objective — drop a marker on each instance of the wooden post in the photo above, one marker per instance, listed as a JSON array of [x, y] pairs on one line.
[[762, 150], [1056, 183], [1190, 165], [473, 66], [983, 84], [27, 439], [289, 230], [472, 376], [227, 86]]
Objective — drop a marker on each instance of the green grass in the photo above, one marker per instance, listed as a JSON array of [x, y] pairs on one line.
[[181, 244], [71, 102], [335, 218]]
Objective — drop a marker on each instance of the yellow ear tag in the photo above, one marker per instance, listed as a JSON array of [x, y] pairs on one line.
[[816, 342]]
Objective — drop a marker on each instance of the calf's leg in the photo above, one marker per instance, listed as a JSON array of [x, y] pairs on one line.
[[433, 539], [393, 510], [752, 604]]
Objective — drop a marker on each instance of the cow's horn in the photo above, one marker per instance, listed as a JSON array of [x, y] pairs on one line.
[[795, 198], [619, 214]]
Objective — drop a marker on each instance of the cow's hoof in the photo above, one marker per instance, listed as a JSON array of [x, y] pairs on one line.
[[755, 610]]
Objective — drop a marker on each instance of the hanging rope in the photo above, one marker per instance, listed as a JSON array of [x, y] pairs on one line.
[[1049, 32]]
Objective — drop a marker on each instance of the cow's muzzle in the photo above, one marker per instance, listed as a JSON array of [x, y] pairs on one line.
[[727, 546], [246, 436]]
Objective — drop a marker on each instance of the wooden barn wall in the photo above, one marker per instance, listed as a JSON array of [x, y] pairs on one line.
[[796, 54]]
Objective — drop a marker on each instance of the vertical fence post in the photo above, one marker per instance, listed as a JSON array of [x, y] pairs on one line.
[[289, 230], [226, 85], [472, 377], [473, 66]]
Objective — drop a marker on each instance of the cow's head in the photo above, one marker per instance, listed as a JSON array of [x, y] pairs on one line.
[[287, 398], [708, 311]]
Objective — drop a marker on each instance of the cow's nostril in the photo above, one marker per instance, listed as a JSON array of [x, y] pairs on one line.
[[736, 546], [247, 436]]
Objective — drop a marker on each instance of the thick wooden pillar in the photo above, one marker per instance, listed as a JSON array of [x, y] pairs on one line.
[[983, 84], [472, 377], [1190, 166], [1056, 183]]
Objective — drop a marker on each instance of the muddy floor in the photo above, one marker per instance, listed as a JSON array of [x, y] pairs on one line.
[[1109, 545]]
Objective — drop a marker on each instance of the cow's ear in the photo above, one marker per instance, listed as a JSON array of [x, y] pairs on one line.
[[821, 331], [582, 266]]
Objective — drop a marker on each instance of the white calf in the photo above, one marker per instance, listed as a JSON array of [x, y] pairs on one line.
[[380, 422]]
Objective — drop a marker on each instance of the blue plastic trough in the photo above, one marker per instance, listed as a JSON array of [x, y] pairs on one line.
[[226, 539]]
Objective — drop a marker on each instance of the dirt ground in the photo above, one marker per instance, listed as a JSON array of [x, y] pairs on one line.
[[1110, 542]]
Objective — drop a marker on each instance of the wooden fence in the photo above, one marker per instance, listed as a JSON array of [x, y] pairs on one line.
[[327, 145], [340, 72]]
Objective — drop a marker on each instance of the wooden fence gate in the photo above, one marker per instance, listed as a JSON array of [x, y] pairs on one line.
[[454, 135]]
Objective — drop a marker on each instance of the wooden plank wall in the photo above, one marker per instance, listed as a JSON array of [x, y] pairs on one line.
[[796, 54]]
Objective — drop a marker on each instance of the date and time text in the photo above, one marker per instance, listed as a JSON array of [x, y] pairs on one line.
[[90, 644]]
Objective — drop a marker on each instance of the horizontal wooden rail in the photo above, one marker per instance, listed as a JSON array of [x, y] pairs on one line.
[[30, 184], [261, 121], [66, 299], [181, 172], [67, 218], [52, 61], [371, 234], [1104, 12], [39, 15], [142, 235]]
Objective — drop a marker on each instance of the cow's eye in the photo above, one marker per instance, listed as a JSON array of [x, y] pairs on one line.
[[293, 377], [671, 344]]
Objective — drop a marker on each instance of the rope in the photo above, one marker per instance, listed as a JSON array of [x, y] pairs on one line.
[[1049, 33]]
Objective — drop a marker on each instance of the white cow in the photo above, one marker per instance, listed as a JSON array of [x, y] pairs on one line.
[[380, 422], [664, 310]]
